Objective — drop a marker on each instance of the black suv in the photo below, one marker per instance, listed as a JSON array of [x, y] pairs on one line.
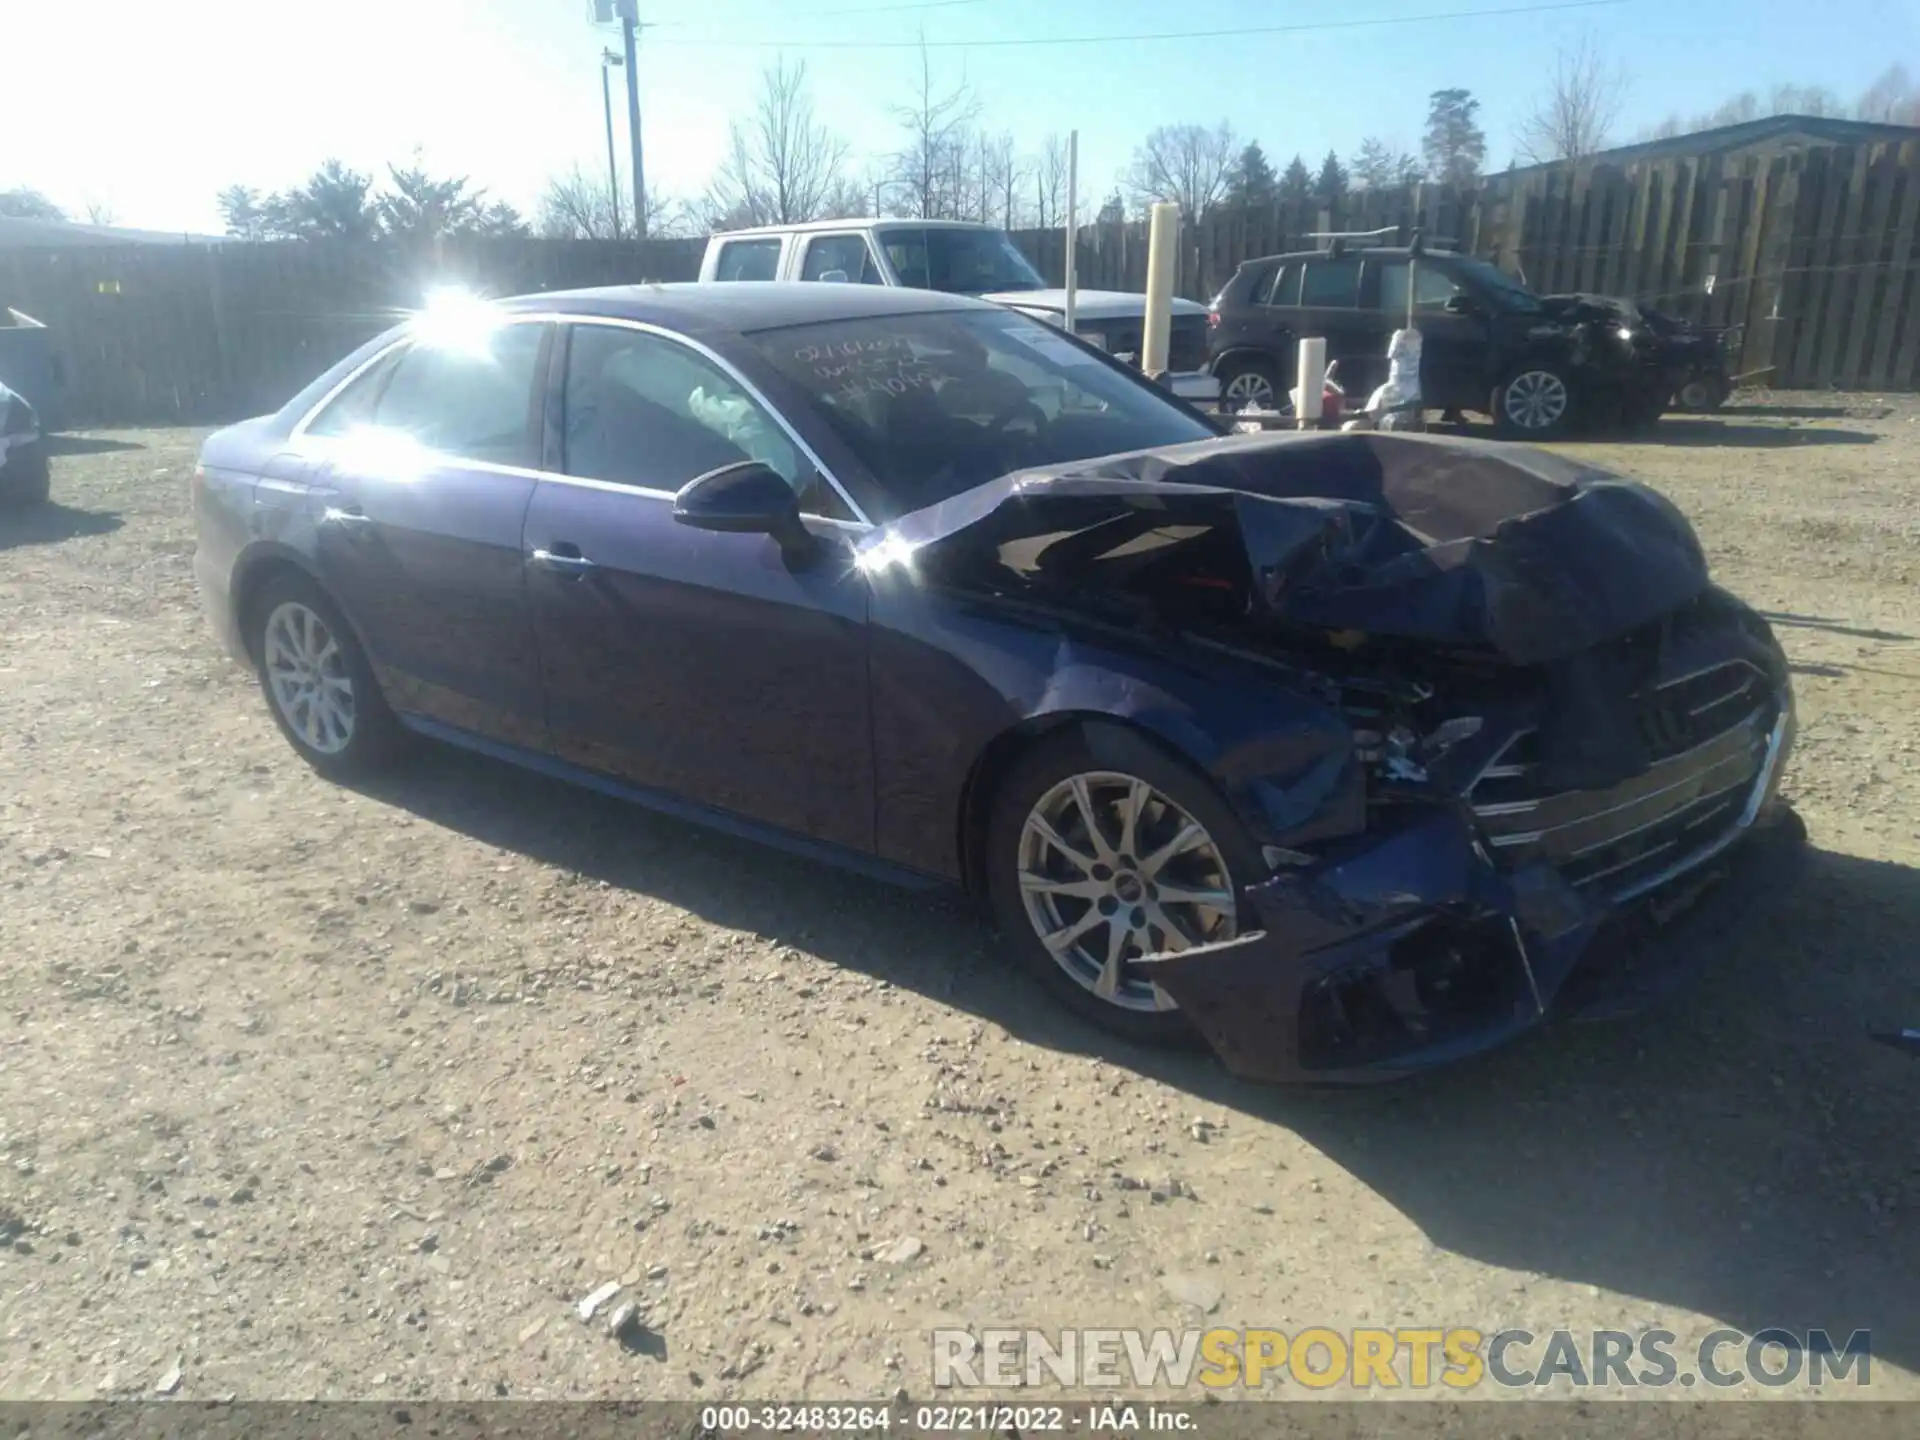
[[1539, 367]]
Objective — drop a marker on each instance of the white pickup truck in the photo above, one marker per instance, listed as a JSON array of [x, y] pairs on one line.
[[965, 259]]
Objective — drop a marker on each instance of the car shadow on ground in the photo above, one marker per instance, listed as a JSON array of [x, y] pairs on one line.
[[50, 524], [1697, 430], [1745, 1152], [88, 445]]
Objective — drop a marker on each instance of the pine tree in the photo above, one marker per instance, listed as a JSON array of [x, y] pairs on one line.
[[1330, 188], [1253, 183], [1296, 185]]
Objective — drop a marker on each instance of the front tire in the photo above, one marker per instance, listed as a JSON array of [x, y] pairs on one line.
[[1100, 849], [318, 685], [1534, 402]]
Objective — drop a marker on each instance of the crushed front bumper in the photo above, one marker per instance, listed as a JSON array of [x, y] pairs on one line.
[[1419, 948]]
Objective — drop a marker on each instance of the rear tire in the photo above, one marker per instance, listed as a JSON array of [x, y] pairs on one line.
[[318, 685], [1247, 383], [1112, 765], [26, 481]]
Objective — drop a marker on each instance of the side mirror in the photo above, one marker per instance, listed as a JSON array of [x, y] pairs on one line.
[[749, 498], [1460, 305]]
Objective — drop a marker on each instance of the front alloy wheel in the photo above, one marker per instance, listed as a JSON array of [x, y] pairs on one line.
[[1111, 870], [1534, 404]]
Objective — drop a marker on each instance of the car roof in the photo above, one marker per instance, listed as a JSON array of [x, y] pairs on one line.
[[746, 305], [812, 227]]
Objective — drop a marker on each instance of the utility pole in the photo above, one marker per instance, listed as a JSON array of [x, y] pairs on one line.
[[607, 61], [629, 29]]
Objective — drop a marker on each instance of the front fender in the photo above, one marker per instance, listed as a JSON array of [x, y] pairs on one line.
[[955, 682]]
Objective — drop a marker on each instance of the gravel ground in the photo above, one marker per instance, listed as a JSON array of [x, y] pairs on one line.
[[308, 1091]]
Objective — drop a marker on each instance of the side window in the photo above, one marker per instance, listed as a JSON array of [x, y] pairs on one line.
[[471, 402], [1431, 287], [749, 259], [353, 407], [1333, 283], [649, 412], [846, 254]]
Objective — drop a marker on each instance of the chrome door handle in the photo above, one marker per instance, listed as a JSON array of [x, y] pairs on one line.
[[563, 564]]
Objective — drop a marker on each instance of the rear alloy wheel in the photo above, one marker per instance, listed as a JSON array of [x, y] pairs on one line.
[[1098, 862], [1249, 385], [1533, 403], [318, 685], [1702, 395]]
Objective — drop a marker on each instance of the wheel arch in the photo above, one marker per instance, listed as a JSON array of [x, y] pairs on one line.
[[258, 568], [1250, 355], [1004, 751]]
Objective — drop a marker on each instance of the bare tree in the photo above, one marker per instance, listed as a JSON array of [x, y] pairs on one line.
[[582, 204], [782, 166], [1575, 116], [932, 164], [1186, 164], [1050, 184], [1890, 99], [1804, 100]]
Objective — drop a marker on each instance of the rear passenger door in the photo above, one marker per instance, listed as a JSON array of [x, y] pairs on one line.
[[844, 258], [422, 471]]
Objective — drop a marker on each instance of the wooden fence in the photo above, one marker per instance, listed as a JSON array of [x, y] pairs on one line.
[[1816, 253]]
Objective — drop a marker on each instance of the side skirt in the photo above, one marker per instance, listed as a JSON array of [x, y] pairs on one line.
[[837, 856]]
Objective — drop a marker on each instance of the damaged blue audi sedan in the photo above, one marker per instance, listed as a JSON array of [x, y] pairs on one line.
[[1348, 754]]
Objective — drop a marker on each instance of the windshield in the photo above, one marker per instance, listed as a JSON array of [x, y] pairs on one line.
[[1500, 287], [939, 403], [961, 262]]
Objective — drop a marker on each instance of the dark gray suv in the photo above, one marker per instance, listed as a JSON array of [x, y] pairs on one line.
[[1540, 367]]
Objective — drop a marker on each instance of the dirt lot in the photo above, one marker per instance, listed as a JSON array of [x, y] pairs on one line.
[[314, 1092]]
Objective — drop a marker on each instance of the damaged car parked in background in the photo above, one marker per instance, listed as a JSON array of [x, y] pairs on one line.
[[1348, 754], [1541, 367]]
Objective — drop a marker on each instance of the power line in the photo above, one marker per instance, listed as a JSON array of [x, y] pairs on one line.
[[853, 10], [735, 42]]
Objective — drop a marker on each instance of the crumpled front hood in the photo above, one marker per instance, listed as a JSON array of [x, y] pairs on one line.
[[1531, 554]]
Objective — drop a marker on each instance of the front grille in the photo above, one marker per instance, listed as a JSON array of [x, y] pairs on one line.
[[1186, 341], [1708, 733]]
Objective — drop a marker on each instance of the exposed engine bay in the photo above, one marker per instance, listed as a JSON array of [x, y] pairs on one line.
[[1561, 733]]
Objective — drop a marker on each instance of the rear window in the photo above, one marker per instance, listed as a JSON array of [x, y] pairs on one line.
[[1279, 286], [749, 260], [1333, 283]]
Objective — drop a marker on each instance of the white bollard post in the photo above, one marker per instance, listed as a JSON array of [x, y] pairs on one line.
[[1072, 316], [1163, 251], [1310, 377]]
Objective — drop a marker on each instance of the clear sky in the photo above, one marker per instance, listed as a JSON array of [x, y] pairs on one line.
[[151, 106]]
